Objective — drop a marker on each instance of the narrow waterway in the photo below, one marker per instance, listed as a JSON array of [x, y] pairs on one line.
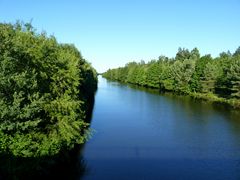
[[145, 135]]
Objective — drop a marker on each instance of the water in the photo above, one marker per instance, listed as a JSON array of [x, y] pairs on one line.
[[145, 135]]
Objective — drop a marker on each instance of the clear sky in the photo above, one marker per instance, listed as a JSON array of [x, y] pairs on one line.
[[110, 33]]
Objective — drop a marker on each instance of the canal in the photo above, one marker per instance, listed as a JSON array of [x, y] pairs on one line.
[[140, 134]]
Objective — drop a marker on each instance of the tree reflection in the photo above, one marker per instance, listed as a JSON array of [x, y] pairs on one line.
[[70, 165]]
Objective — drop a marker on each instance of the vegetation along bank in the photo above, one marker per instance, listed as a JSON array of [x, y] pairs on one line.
[[45, 91], [214, 79]]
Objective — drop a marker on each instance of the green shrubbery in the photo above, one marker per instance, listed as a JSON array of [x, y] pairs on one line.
[[188, 73], [44, 91]]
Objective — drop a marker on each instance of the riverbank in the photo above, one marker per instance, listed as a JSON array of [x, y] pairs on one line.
[[234, 103], [189, 73], [46, 97], [209, 97]]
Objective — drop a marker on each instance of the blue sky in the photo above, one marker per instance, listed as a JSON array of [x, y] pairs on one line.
[[110, 33]]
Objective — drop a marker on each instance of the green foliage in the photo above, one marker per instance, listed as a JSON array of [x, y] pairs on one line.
[[153, 74], [43, 90], [198, 74], [237, 52], [182, 54], [188, 73], [182, 73], [233, 77], [210, 74]]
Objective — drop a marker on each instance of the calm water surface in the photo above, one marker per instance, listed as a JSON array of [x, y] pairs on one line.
[[145, 135]]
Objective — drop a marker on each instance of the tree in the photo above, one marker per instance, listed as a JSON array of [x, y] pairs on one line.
[[166, 80], [153, 74], [42, 95], [182, 73], [195, 55], [225, 54], [237, 52], [187, 73], [210, 75], [198, 75], [233, 76], [182, 54]]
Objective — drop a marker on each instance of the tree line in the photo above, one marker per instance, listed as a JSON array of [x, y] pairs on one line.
[[216, 79], [45, 91]]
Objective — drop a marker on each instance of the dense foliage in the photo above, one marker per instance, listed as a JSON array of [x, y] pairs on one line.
[[217, 79], [44, 91]]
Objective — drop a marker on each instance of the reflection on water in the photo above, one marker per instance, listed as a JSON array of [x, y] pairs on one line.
[[142, 134], [69, 165], [66, 165]]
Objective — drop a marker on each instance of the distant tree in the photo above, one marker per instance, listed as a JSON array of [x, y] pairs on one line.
[[237, 52], [153, 74], [198, 75], [210, 75], [142, 62], [166, 79], [195, 55], [182, 54], [163, 58], [225, 54], [189, 72], [182, 73], [233, 76]]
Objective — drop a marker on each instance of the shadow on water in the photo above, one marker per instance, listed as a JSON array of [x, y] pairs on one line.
[[191, 105], [66, 165], [187, 101], [90, 108]]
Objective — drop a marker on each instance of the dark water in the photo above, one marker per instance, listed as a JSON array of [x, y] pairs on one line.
[[144, 135]]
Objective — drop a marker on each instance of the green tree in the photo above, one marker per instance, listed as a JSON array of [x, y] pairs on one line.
[[182, 73], [42, 101], [153, 74], [198, 75], [188, 72], [182, 54], [194, 54], [237, 52], [233, 76], [210, 75]]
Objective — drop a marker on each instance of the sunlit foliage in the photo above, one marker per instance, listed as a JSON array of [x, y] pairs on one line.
[[44, 89], [187, 73]]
